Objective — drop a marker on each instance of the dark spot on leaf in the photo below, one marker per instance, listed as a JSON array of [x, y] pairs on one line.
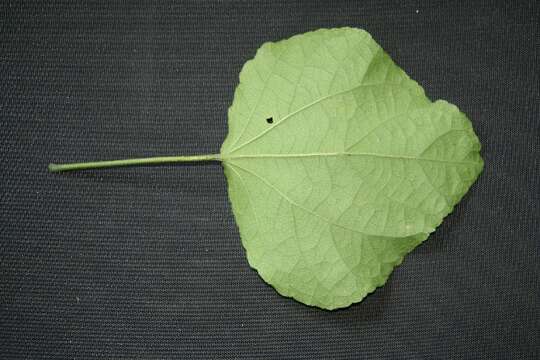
[[270, 120]]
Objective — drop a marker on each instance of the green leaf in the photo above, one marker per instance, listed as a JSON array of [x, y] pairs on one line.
[[338, 165]]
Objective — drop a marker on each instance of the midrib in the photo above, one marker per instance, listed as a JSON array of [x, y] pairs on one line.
[[226, 157]]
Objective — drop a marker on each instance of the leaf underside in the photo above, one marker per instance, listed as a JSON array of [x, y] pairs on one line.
[[338, 164]]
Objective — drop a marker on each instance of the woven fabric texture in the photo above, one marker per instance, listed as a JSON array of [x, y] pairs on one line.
[[147, 262]]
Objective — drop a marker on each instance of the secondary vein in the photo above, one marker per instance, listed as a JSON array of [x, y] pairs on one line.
[[306, 107]]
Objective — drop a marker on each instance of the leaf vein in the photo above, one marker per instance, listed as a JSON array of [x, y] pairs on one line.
[[280, 193]]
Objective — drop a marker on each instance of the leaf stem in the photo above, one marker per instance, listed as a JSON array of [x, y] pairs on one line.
[[131, 162]]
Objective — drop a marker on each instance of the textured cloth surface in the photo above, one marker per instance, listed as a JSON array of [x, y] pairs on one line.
[[147, 262]]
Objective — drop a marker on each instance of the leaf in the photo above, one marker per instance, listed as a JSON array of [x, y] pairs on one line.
[[338, 165]]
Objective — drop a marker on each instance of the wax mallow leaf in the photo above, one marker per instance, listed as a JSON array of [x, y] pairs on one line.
[[337, 163]]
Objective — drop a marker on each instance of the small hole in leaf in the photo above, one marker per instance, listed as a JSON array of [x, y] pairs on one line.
[[270, 120]]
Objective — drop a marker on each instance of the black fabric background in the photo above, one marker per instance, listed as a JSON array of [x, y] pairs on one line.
[[147, 262]]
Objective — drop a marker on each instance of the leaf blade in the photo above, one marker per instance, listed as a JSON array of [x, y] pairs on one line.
[[350, 176]]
